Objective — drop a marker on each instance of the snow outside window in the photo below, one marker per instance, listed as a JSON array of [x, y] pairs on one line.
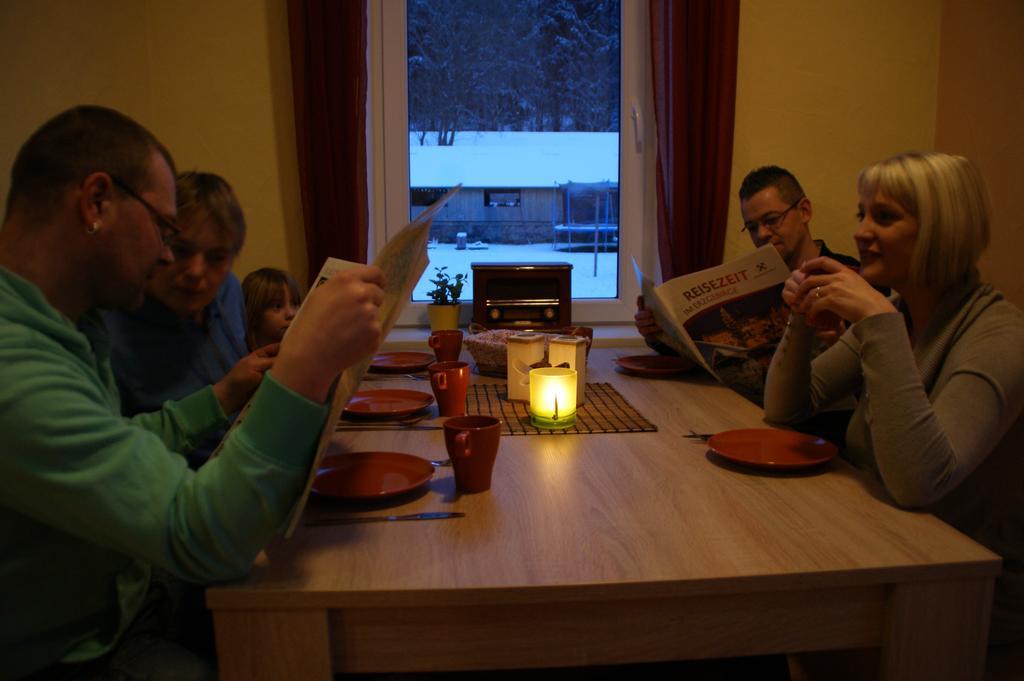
[[539, 112]]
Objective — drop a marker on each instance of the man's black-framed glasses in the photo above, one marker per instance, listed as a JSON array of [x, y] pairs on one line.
[[771, 221], [165, 228]]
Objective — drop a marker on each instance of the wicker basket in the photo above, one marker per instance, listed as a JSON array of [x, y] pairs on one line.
[[489, 349]]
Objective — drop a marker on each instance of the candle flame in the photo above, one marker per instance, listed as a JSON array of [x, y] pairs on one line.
[[555, 415]]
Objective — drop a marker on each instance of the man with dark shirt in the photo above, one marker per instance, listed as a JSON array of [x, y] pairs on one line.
[[775, 211]]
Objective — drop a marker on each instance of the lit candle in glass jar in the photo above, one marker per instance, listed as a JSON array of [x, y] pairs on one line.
[[553, 398], [571, 351]]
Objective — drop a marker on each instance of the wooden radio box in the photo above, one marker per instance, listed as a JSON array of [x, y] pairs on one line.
[[525, 296]]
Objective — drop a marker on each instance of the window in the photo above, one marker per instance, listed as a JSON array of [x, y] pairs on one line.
[[502, 198], [549, 172], [425, 196]]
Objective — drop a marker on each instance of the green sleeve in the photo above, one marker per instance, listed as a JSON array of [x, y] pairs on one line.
[[182, 424], [72, 462]]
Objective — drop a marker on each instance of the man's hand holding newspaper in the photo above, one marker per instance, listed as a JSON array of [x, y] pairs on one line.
[[345, 309], [351, 308]]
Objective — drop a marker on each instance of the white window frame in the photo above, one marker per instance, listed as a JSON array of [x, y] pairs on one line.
[[388, 160]]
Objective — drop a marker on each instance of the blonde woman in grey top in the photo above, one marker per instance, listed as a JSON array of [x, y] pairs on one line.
[[937, 369]]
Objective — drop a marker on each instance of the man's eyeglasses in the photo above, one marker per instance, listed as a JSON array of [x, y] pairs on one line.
[[770, 221], [166, 229]]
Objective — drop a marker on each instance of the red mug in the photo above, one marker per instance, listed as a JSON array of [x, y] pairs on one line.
[[446, 344], [450, 382], [472, 444]]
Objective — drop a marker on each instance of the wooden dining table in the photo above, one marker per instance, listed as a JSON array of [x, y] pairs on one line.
[[608, 548]]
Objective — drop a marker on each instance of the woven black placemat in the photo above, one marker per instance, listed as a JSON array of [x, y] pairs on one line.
[[605, 411]]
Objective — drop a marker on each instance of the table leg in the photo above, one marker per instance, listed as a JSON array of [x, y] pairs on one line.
[[936, 631], [272, 645]]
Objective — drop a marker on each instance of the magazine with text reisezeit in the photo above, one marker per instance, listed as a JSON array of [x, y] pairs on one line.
[[727, 318]]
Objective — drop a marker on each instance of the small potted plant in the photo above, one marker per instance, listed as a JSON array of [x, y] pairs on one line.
[[443, 312]]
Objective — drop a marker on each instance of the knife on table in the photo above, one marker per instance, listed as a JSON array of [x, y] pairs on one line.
[[353, 429], [356, 519]]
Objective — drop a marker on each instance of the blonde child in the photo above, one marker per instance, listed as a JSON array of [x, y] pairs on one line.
[[271, 300]]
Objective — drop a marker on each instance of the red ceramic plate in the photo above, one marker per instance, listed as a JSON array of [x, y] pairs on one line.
[[401, 362], [654, 365], [770, 448], [389, 403], [363, 476]]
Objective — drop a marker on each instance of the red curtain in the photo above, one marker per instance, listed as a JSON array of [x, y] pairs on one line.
[[329, 79], [693, 48]]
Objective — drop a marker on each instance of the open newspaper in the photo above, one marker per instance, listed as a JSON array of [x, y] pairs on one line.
[[727, 318], [402, 260]]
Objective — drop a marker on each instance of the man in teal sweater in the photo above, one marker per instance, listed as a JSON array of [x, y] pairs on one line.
[[93, 504]]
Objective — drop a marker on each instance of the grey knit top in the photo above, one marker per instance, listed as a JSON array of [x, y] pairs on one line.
[[939, 421]]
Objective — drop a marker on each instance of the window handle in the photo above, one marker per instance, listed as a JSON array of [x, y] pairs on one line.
[[638, 127]]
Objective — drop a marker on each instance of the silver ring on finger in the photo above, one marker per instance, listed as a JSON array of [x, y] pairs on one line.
[[817, 291]]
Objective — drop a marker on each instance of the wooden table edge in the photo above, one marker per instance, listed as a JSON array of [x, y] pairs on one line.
[[239, 596]]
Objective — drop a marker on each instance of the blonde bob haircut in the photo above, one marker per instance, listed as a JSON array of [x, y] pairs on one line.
[[948, 197]]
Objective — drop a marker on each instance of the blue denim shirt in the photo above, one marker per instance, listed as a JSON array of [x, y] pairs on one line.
[[157, 356]]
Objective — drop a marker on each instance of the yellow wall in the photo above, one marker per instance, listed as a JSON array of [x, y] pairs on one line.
[[824, 88], [211, 79], [983, 118]]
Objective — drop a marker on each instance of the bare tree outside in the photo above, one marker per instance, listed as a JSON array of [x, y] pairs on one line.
[[528, 66]]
